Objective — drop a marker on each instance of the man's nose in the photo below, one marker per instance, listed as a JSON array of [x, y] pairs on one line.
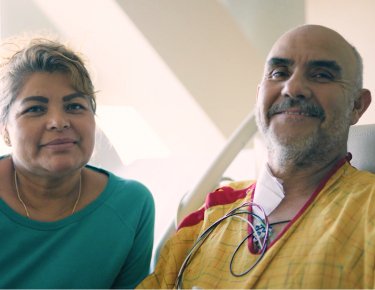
[[297, 86], [58, 121]]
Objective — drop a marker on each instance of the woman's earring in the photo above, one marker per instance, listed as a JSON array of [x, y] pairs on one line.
[[7, 140]]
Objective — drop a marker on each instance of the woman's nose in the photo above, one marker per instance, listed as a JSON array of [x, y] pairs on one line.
[[297, 86], [58, 122]]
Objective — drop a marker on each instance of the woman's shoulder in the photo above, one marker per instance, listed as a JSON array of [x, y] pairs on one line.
[[125, 199], [122, 189], [129, 186]]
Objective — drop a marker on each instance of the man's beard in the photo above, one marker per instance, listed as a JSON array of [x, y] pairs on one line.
[[304, 151]]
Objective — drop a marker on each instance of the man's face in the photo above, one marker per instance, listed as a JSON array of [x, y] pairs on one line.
[[306, 97]]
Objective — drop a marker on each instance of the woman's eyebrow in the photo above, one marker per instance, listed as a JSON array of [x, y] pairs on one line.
[[35, 99], [45, 100], [73, 96]]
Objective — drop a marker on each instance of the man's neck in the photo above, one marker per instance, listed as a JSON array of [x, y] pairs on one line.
[[299, 184], [302, 180]]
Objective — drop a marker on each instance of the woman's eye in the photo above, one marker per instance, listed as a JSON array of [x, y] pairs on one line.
[[34, 110], [75, 107]]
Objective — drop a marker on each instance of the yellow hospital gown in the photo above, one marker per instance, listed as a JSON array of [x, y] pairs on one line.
[[330, 243]]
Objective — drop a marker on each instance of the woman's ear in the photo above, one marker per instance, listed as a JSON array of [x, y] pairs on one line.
[[361, 104], [6, 138]]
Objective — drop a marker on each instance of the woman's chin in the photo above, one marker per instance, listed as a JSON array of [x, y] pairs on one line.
[[63, 167]]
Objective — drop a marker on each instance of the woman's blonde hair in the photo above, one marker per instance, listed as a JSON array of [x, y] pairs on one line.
[[39, 55]]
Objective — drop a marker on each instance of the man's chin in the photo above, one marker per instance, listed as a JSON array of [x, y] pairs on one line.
[[293, 140]]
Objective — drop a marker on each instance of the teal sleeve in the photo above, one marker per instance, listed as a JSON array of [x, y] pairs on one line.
[[137, 264]]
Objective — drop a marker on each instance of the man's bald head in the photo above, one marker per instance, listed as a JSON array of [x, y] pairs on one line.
[[327, 39]]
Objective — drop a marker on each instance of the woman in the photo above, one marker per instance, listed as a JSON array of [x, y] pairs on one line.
[[63, 223]]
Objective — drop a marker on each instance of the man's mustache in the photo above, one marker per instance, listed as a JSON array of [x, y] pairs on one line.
[[306, 108]]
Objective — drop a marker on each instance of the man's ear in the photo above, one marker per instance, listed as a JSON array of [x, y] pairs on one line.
[[360, 105], [258, 87]]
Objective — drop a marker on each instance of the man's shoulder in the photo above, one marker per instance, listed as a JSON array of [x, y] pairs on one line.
[[229, 193], [355, 184], [225, 196], [238, 185], [362, 176]]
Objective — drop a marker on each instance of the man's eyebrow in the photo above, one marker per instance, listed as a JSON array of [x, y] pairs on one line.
[[279, 61], [330, 64]]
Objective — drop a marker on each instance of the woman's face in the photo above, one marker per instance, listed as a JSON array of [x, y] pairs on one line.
[[51, 127]]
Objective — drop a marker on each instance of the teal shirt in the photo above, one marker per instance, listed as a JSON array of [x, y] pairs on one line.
[[108, 244]]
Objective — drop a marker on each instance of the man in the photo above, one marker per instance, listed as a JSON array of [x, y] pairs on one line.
[[309, 220]]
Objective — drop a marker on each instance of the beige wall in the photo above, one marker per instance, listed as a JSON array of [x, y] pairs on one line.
[[356, 22]]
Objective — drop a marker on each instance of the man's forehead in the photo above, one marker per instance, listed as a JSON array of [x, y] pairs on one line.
[[312, 42], [313, 34]]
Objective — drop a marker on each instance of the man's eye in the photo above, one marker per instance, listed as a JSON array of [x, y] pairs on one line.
[[278, 74], [322, 76]]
